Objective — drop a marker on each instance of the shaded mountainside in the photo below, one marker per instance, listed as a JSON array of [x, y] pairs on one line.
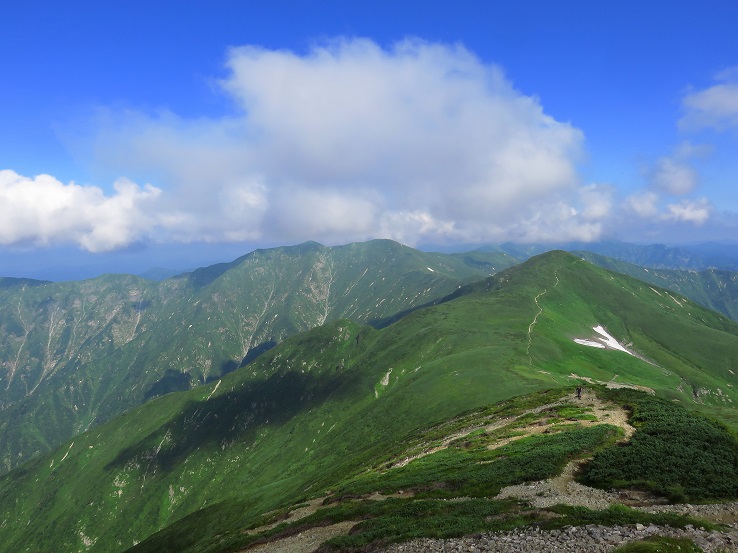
[[76, 354], [326, 405]]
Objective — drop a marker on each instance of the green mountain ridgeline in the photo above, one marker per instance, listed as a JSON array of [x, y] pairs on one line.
[[336, 407], [75, 354], [713, 288]]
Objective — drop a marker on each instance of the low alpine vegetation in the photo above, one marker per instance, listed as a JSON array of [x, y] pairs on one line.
[[675, 453]]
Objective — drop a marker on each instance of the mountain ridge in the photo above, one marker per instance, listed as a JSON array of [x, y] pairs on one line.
[[77, 353], [341, 398]]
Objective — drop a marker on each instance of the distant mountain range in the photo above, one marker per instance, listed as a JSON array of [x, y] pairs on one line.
[[712, 288], [333, 407], [76, 354], [697, 257]]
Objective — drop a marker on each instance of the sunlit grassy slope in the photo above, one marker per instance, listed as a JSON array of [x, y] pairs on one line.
[[330, 401], [712, 288]]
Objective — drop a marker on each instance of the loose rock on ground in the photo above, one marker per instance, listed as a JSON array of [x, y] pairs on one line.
[[573, 539]]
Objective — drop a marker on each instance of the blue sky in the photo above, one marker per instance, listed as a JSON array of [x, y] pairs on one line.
[[180, 133]]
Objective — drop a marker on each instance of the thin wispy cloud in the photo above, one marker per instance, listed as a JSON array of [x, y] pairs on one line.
[[689, 211], [714, 107]]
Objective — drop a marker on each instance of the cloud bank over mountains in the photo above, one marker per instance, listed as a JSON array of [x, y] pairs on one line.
[[421, 142]]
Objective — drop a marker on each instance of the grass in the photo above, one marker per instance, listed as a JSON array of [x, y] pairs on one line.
[[618, 515], [469, 471], [660, 544], [397, 520]]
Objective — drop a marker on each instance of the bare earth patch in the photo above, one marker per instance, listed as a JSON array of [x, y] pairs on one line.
[[296, 514], [306, 541]]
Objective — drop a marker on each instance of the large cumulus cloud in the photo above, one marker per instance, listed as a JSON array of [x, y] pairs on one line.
[[348, 141]]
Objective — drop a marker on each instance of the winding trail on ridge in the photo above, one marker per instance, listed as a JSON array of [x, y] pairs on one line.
[[535, 318], [562, 489]]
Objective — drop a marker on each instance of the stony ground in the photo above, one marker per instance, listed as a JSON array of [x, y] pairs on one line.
[[575, 539]]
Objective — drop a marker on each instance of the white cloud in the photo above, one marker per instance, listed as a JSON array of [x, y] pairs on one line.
[[644, 204], [714, 107], [42, 210], [650, 207], [671, 176], [696, 212], [597, 201], [674, 176], [351, 141]]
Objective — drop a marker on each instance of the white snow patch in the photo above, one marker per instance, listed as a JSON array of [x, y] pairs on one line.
[[211, 393], [605, 341], [67, 453], [609, 340], [590, 343], [385, 380]]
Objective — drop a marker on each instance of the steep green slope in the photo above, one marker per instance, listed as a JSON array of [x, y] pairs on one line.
[[76, 354], [711, 288], [330, 402]]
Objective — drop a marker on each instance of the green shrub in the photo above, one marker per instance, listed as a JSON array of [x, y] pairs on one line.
[[675, 453]]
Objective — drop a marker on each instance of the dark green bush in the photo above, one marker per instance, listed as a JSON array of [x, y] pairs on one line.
[[676, 453]]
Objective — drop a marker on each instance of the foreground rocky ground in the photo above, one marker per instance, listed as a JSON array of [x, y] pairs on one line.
[[579, 539]]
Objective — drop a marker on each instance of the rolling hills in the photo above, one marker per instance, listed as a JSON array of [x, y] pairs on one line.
[[331, 404], [75, 354]]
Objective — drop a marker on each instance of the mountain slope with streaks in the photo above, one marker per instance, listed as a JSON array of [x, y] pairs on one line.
[[75, 354], [712, 288]]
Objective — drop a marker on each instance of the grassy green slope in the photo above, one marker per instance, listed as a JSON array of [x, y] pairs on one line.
[[326, 403], [711, 288], [77, 354]]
